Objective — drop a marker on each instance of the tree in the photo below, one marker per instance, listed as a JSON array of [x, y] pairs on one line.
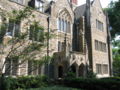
[[116, 58], [23, 47], [114, 17]]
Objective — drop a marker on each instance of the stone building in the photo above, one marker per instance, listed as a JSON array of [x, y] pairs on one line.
[[83, 39]]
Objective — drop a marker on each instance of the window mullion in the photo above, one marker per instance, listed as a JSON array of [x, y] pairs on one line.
[[13, 31]]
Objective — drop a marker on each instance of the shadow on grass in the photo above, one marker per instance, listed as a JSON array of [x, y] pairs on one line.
[[55, 88]]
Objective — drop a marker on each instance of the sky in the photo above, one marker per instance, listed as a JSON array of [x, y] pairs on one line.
[[103, 2]]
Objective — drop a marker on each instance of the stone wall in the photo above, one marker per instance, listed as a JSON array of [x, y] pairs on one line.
[[99, 57]]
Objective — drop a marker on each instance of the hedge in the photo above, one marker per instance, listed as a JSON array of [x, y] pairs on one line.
[[93, 84], [9, 83]]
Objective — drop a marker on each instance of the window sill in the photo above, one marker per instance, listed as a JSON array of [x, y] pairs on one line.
[[64, 32], [8, 36], [100, 51], [100, 30], [17, 3], [37, 42]]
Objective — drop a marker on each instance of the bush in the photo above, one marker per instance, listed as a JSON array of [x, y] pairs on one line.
[[70, 75], [4, 83], [9, 83], [93, 83], [91, 74], [55, 88]]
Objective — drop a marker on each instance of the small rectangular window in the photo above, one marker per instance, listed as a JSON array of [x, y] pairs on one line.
[[68, 27], [96, 45], [100, 43], [98, 69], [39, 5], [59, 24], [8, 67], [62, 25], [13, 28], [99, 25], [59, 46], [100, 46], [65, 25], [30, 67], [105, 69], [35, 68], [14, 67], [63, 46], [36, 34], [104, 47]]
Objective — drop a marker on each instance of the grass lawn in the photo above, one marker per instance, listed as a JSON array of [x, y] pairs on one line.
[[54, 88]]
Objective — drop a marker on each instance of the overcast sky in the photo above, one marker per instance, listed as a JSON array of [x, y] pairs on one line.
[[103, 2]]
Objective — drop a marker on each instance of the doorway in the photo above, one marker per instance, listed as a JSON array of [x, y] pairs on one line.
[[60, 71]]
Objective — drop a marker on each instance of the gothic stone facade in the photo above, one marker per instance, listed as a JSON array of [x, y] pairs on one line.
[[82, 33]]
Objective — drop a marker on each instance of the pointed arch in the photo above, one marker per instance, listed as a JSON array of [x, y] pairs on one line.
[[65, 12], [82, 70], [64, 21]]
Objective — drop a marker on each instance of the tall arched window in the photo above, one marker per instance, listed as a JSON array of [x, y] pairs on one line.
[[64, 21]]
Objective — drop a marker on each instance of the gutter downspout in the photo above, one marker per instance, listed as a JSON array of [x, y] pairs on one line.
[[109, 46], [48, 20]]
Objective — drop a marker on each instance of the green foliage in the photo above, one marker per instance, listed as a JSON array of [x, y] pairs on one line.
[[18, 16], [2, 32], [70, 75], [37, 32], [55, 88], [114, 17], [4, 83], [116, 58], [9, 83], [91, 74], [93, 84], [116, 66], [20, 46]]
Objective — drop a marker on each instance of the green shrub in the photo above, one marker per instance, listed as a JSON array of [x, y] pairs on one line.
[[4, 83], [91, 74], [54, 88], [70, 75], [93, 83], [9, 83]]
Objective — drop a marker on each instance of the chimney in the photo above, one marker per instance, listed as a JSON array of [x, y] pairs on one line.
[[73, 3], [88, 12]]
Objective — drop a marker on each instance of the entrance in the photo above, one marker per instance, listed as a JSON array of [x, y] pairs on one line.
[[60, 71], [81, 70], [73, 68]]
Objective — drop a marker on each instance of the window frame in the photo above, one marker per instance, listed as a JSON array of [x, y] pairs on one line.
[[13, 30], [100, 46], [35, 35], [99, 25], [105, 69], [98, 68], [39, 5]]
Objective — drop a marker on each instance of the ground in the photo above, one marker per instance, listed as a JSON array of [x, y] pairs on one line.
[[54, 88]]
